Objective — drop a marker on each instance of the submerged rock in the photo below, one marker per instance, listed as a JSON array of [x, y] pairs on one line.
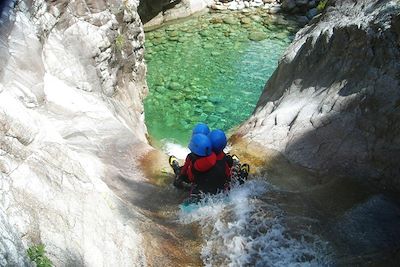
[[216, 20], [173, 33], [245, 20], [230, 20], [175, 86], [333, 103], [257, 36]]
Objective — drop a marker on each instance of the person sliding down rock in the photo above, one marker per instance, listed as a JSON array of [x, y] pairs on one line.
[[207, 173], [218, 141], [201, 168], [181, 172], [207, 168]]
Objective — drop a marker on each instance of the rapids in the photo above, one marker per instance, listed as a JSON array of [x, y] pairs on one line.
[[291, 217], [243, 228]]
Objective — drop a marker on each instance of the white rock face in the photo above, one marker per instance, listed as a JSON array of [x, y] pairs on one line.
[[332, 104], [71, 117]]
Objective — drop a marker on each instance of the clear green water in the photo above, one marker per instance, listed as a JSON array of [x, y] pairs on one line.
[[206, 69]]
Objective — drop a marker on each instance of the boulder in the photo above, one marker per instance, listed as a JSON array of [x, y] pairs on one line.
[[241, 5], [233, 5], [72, 132], [332, 105]]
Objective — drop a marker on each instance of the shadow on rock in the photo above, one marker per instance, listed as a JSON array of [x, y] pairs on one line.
[[148, 9], [168, 242]]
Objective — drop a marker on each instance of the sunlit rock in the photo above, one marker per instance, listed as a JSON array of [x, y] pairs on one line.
[[332, 104], [71, 119]]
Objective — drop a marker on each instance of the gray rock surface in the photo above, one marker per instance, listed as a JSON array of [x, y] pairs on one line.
[[72, 81], [332, 105], [312, 13], [299, 6], [155, 13], [12, 251]]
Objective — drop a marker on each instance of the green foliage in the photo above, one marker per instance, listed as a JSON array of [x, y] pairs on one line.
[[322, 5], [37, 255], [119, 42]]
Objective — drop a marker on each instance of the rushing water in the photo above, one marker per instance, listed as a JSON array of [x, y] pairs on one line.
[[240, 229], [209, 69]]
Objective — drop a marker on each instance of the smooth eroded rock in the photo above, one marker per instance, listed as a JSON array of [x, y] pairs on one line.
[[332, 104], [71, 122]]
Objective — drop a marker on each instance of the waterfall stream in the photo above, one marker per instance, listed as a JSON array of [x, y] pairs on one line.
[[212, 69]]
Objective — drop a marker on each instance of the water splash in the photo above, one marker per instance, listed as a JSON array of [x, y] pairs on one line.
[[172, 148], [240, 229]]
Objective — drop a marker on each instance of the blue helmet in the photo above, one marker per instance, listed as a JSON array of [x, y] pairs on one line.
[[201, 128], [200, 145], [218, 140]]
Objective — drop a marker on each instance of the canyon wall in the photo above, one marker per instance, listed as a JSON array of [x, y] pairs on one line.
[[333, 104], [72, 81]]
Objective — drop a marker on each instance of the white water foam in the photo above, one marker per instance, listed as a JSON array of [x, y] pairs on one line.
[[171, 148], [241, 230]]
